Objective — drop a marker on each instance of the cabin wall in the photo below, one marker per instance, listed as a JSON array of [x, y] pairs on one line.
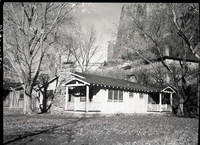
[[96, 94], [14, 99], [135, 104], [52, 86], [104, 97]]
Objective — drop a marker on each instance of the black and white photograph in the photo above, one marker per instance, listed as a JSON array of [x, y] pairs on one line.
[[97, 73]]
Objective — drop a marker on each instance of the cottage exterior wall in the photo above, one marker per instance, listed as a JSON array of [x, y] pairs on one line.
[[52, 86], [126, 101], [128, 105]]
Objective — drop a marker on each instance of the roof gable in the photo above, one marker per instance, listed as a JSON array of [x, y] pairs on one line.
[[168, 90]]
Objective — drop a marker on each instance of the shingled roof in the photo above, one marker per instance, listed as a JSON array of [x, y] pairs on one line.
[[7, 85], [95, 80]]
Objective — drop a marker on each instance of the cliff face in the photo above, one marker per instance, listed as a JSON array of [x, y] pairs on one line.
[[156, 20], [148, 17]]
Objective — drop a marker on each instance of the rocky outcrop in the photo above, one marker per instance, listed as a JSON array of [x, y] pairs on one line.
[[148, 16]]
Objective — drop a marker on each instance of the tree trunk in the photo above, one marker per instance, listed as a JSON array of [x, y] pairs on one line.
[[27, 109], [44, 102], [28, 106]]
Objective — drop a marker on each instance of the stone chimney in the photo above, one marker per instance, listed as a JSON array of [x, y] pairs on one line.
[[166, 50], [110, 51]]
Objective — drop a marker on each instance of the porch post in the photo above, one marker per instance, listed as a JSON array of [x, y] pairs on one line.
[[66, 97], [75, 103], [160, 101], [87, 98], [171, 100]]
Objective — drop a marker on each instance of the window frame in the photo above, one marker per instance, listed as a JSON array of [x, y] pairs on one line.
[[116, 95], [113, 93]]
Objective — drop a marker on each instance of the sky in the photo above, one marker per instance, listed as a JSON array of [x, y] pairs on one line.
[[105, 17]]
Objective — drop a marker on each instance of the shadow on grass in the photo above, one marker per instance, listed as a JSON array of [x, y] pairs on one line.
[[49, 130]]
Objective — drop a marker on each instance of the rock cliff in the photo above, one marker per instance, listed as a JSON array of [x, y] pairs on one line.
[[148, 18]]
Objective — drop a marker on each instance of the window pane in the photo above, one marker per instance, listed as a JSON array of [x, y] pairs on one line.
[[115, 95], [131, 94], [141, 95], [120, 95], [49, 94], [21, 95], [110, 94], [82, 98]]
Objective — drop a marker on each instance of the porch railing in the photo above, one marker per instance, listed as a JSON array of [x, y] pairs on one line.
[[70, 106], [156, 107], [81, 106]]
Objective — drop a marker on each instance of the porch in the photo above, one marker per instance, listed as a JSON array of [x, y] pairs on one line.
[[159, 108], [161, 102], [80, 96]]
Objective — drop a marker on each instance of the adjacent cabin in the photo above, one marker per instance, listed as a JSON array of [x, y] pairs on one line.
[[13, 95], [93, 93], [50, 89]]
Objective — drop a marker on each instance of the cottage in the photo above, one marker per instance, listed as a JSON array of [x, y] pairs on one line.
[[13, 96], [92, 93]]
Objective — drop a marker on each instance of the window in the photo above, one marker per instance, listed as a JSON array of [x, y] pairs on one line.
[[21, 95], [130, 94], [49, 94], [82, 95], [120, 95], [141, 95], [82, 98], [115, 94], [110, 94]]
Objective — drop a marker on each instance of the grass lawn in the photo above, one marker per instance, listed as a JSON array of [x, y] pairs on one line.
[[138, 129]]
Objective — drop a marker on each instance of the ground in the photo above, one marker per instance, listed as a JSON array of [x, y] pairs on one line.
[[116, 129]]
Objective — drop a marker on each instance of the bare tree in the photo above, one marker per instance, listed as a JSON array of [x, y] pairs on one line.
[[85, 46], [28, 31]]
